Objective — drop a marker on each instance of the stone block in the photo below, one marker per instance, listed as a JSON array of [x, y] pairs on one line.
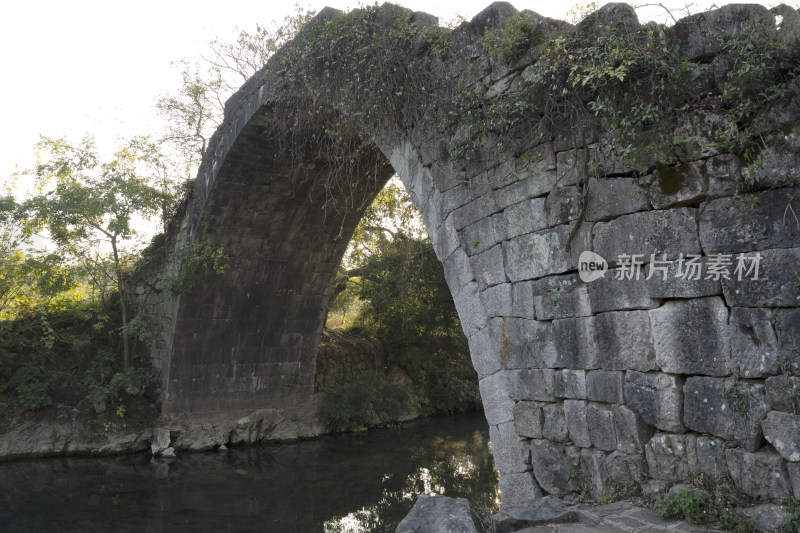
[[692, 337], [678, 277], [563, 206], [794, 478], [470, 309], [445, 241], [672, 457], [552, 468], [484, 353], [760, 474], [611, 197], [778, 164], [572, 166], [512, 454], [602, 431], [519, 489], [529, 185], [593, 463], [522, 301], [657, 398], [531, 384], [723, 171], [605, 386], [497, 300], [526, 343], [744, 224], [539, 254], [570, 383], [528, 419], [783, 393], [577, 423], [440, 514], [788, 328], [754, 346], [455, 197], [481, 235], [631, 430], [561, 297], [497, 406], [782, 430], [554, 426], [711, 458], [457, 271], [670, 232], [488, 267], [524, 217], [616, 292], [776, 285], [678, 185], [726, 408], [474, 211], [625, 341], [575, 343]]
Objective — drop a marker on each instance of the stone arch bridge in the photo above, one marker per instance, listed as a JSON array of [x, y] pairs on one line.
[[642, 377]]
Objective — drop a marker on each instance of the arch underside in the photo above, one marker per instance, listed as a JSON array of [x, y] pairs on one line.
[[249, 338]]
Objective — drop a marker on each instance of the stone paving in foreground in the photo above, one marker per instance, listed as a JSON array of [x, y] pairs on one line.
[[617, 518]]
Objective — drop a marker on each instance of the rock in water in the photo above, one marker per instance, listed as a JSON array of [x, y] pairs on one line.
[[440, 514]]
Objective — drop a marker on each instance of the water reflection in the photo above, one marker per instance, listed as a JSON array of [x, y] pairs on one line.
[[348, 483]]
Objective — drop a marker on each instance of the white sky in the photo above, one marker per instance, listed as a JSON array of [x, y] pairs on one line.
[[87, 66]]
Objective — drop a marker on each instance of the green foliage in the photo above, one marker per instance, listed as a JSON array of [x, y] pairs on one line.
[[366, 403], [99, 390], [687, 504], [792, 519], [191, 264], [513, 40]]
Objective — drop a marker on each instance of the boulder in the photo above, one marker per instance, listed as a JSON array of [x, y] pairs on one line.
[[440, 514]]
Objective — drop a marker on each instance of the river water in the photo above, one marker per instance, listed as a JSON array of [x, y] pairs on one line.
[[343, 483]]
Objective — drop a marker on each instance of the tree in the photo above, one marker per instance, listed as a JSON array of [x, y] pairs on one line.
[[91, 207]]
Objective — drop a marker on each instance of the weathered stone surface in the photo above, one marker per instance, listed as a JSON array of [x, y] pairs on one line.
[[575, 343], [631, 430], [470, 309], [723, 172], [537, 254], [474, 211], [527, 187], [692, 337], [160, 441], [794, 477], [678, 185], [625, 341], [782, 430], [670, 232], [496, 404], [522, 305], [726, 408], [481, 235], [484, 353], [488, 267], [789, 338], [611, 197], [776, 285], [616, 292], [497, 300], [671, 457], [563, 206], [783, 393], [528, 343], [457, 271], [766, 517], [605, 386], [678, 277], [561, 297], [519, 489], [778, 164], [762, 473], [754, 346], [511, 452], [531, 384], [657, 398], [569, 383], [711, 458], [440, 514], [528, 419], [555, 426], [724, 229], [547, 510], [524, 217], [552, 467], [577, 423], [602, 430]]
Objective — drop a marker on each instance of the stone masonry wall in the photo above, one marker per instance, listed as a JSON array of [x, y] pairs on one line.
[[678, 363]]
